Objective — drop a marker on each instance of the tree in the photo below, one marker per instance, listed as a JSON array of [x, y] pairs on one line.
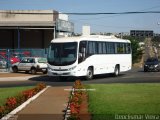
[[136, 51]]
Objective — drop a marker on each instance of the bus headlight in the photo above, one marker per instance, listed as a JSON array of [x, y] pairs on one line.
[[72, 68]]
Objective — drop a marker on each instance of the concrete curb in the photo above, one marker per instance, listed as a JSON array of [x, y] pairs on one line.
[[19, 108], [67, 110]]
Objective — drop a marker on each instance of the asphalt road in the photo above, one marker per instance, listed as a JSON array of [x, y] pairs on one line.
[[133, 76]]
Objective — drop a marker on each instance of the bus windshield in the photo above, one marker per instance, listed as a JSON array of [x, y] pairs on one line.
[[61, 54]]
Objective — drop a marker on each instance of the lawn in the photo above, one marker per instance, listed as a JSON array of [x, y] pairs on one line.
[[9, 92], [109, 100]]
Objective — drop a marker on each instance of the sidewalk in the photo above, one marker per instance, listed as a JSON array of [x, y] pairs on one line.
[[48, 106], [16, 76]]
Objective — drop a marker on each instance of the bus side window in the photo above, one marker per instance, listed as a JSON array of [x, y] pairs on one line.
[[100, 47], [82, 51], [128, 48], [110, 46], [92, 48], [82, 45], [120, 48]]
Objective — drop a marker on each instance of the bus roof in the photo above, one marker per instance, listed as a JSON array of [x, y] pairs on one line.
[[89, 38]]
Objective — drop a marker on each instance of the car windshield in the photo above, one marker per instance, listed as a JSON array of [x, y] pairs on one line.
[[152, 60], [61, 54], [42, 60]]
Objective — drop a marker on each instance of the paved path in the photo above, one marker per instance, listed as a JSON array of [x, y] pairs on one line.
[[48, 106], [16, 76]]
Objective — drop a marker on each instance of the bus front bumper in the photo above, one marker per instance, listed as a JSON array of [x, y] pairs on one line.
[[61, 73]]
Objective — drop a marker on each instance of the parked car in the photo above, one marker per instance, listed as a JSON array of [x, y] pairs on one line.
[[3, 62], [152, 64], [13, 59], [21, 54], [31, 64]]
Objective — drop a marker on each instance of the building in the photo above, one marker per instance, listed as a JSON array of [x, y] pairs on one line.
[[63, 26], [86, 30], [32, 28], [141, 33]]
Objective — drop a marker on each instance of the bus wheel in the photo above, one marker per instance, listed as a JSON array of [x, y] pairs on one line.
[[116, 71], [89, 75]]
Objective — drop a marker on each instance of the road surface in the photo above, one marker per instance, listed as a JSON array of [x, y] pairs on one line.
[[135, 75]]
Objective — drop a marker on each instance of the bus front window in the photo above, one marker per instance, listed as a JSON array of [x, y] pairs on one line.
[[61, 54]]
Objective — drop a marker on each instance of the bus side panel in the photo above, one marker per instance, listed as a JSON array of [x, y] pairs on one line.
[[106, 63]]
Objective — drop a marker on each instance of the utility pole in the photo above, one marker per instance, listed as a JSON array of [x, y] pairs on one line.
[[18, 37]]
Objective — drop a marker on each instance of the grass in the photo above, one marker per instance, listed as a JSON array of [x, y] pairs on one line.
[[109, 100], [10, 92]]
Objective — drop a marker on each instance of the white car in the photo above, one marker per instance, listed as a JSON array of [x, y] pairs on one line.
[[31, 64]]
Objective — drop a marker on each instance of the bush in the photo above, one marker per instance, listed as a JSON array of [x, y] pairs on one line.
[[13, 102], [76, 100], [136, 51], [1, 111]]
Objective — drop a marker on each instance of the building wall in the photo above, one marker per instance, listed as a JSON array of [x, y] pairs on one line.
[[86, 30], [29, 38], [5, 39], [142, 33], [63, 17], [48, 36], [36, 28], [26, 15]]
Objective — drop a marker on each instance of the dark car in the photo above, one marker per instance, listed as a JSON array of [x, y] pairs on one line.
[[152, 64]]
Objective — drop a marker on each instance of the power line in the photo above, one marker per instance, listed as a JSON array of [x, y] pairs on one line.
[[95, 13], [111, 16], [118, 27], [109, 13], [97, 18]]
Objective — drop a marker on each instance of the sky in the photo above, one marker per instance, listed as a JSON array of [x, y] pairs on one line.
[[98, 23]]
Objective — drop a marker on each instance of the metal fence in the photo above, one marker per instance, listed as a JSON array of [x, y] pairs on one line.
[[11, 56]]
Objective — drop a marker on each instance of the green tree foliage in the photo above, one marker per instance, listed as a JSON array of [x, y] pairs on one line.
[[156, 41], [136, 51]]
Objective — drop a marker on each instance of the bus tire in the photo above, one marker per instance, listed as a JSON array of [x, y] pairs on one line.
[[33, 71], [89, 75], [15, 69], [116, 71]]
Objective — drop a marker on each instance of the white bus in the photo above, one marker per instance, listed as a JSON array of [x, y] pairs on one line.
[[89, 56]]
